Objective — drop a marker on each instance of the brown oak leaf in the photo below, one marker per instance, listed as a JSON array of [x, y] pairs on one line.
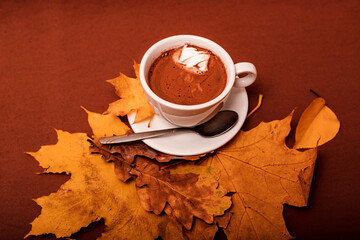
[[189, 194], [123, 156], [129, 150], [200, 230], [121, 165], [263, 173]]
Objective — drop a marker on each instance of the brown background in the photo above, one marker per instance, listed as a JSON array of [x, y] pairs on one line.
[[56, 56]]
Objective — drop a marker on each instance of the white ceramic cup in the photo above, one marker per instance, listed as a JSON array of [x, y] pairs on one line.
[[192, 115]]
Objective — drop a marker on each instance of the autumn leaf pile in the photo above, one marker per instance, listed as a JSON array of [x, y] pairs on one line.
[[145, 194]]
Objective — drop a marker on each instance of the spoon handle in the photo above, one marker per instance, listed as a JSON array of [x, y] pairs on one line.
[[136, 136]]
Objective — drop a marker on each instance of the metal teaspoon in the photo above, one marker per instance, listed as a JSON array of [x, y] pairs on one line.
[[219, 124]]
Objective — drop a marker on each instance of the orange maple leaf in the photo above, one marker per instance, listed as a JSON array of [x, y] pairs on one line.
[[263, 173]]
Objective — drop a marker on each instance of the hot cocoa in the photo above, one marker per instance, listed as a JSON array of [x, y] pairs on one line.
[[187, 75]]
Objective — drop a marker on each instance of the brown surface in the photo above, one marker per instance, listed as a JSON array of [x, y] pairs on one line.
[[55, 56]]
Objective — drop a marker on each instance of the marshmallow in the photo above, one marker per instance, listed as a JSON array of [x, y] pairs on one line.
[[193, 59]]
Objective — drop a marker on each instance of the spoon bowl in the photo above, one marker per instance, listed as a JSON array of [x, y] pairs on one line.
[[219, 124]]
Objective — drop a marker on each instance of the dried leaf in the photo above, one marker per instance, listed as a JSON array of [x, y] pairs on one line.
[[93, 192], [132, 97], [200, 230], [124, 154], [263, 173], [129, 150], [317, 125], [121, 165], [192, 193], [106, 125]]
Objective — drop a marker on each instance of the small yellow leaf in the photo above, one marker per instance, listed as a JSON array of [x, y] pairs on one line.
[[132, 97], [105, 125], [317, 125]]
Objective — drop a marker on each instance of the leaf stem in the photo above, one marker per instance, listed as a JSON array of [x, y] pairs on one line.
[[257, 106], [316, 94]]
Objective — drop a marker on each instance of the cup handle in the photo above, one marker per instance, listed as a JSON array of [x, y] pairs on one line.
[[244, 68]]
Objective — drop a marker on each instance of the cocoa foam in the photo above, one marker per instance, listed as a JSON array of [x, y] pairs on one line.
[[192, 78]]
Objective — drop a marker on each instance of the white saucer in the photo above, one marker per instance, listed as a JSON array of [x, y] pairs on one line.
[[190, 143]]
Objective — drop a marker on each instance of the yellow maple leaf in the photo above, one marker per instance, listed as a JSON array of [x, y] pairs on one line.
[[317, 125], [132, 97], [93, 192], [264, 174], [105, 125]]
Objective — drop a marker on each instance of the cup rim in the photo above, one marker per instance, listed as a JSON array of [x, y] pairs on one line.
[[225, 57]]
